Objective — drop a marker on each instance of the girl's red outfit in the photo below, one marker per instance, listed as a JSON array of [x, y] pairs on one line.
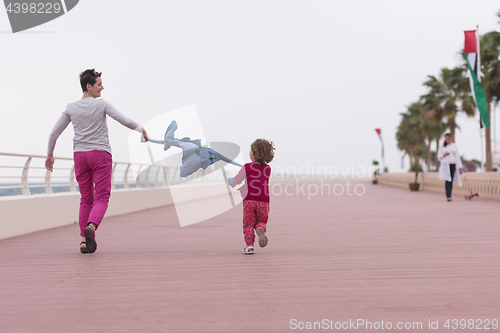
[[255, 194]]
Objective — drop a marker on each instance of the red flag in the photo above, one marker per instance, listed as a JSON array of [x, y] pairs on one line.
[[378, 130], [470, 42]]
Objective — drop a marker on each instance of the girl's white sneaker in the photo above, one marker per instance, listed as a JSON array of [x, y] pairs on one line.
[[248, 250]]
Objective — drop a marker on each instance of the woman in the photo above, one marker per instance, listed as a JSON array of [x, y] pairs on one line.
[[92, 152], [451, 164]]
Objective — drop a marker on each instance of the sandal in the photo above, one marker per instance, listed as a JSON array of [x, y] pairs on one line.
[[83, 249], [90, 239], [262, 236], [248, 250]]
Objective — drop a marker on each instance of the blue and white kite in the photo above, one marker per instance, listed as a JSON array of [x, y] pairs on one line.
[[194, 155]]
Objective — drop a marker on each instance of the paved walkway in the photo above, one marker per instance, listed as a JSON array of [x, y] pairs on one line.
[[388, 255]]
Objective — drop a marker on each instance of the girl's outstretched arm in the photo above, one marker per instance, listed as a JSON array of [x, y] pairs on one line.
[[239, 178]]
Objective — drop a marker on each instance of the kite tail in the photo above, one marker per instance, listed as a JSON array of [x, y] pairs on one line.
[[223, 158], [161, 142]]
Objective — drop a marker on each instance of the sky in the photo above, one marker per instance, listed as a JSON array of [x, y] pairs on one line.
[[314, 77]]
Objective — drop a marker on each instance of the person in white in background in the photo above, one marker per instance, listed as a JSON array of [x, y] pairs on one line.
[[451, 164]]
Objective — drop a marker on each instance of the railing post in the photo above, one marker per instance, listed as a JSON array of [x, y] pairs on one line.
[[125, 178], [147, 177], [171, 173], [137, 178], [113, 187], [48, 187], [157, 184], [167, 176], [72, 186], [24, 178]]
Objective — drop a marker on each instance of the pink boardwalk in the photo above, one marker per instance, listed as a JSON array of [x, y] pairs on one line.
[[386, 257]]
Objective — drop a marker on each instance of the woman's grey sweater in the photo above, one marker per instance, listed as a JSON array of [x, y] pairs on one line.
[[88, 116]]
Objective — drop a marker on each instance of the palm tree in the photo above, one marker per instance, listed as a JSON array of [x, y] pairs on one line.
[[404, 141], [434, 130], [448, 95], [410, 134]]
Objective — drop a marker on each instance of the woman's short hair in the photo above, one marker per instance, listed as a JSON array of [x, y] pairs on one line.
[[88, 76], [262, 150]]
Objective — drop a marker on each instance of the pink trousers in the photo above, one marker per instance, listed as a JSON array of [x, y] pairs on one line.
[[255, 215], [93, 174]]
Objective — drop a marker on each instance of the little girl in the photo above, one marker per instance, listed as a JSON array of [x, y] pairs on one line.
[[255, 192]]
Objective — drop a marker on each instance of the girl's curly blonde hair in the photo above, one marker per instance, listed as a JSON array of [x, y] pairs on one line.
[[262, 150]]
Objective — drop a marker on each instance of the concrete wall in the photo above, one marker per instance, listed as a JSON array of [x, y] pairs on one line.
[[23, 214]]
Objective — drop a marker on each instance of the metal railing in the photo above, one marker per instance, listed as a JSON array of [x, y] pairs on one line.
[[154, 176]]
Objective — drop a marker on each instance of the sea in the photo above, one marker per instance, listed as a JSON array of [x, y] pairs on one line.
[[40, 190]]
